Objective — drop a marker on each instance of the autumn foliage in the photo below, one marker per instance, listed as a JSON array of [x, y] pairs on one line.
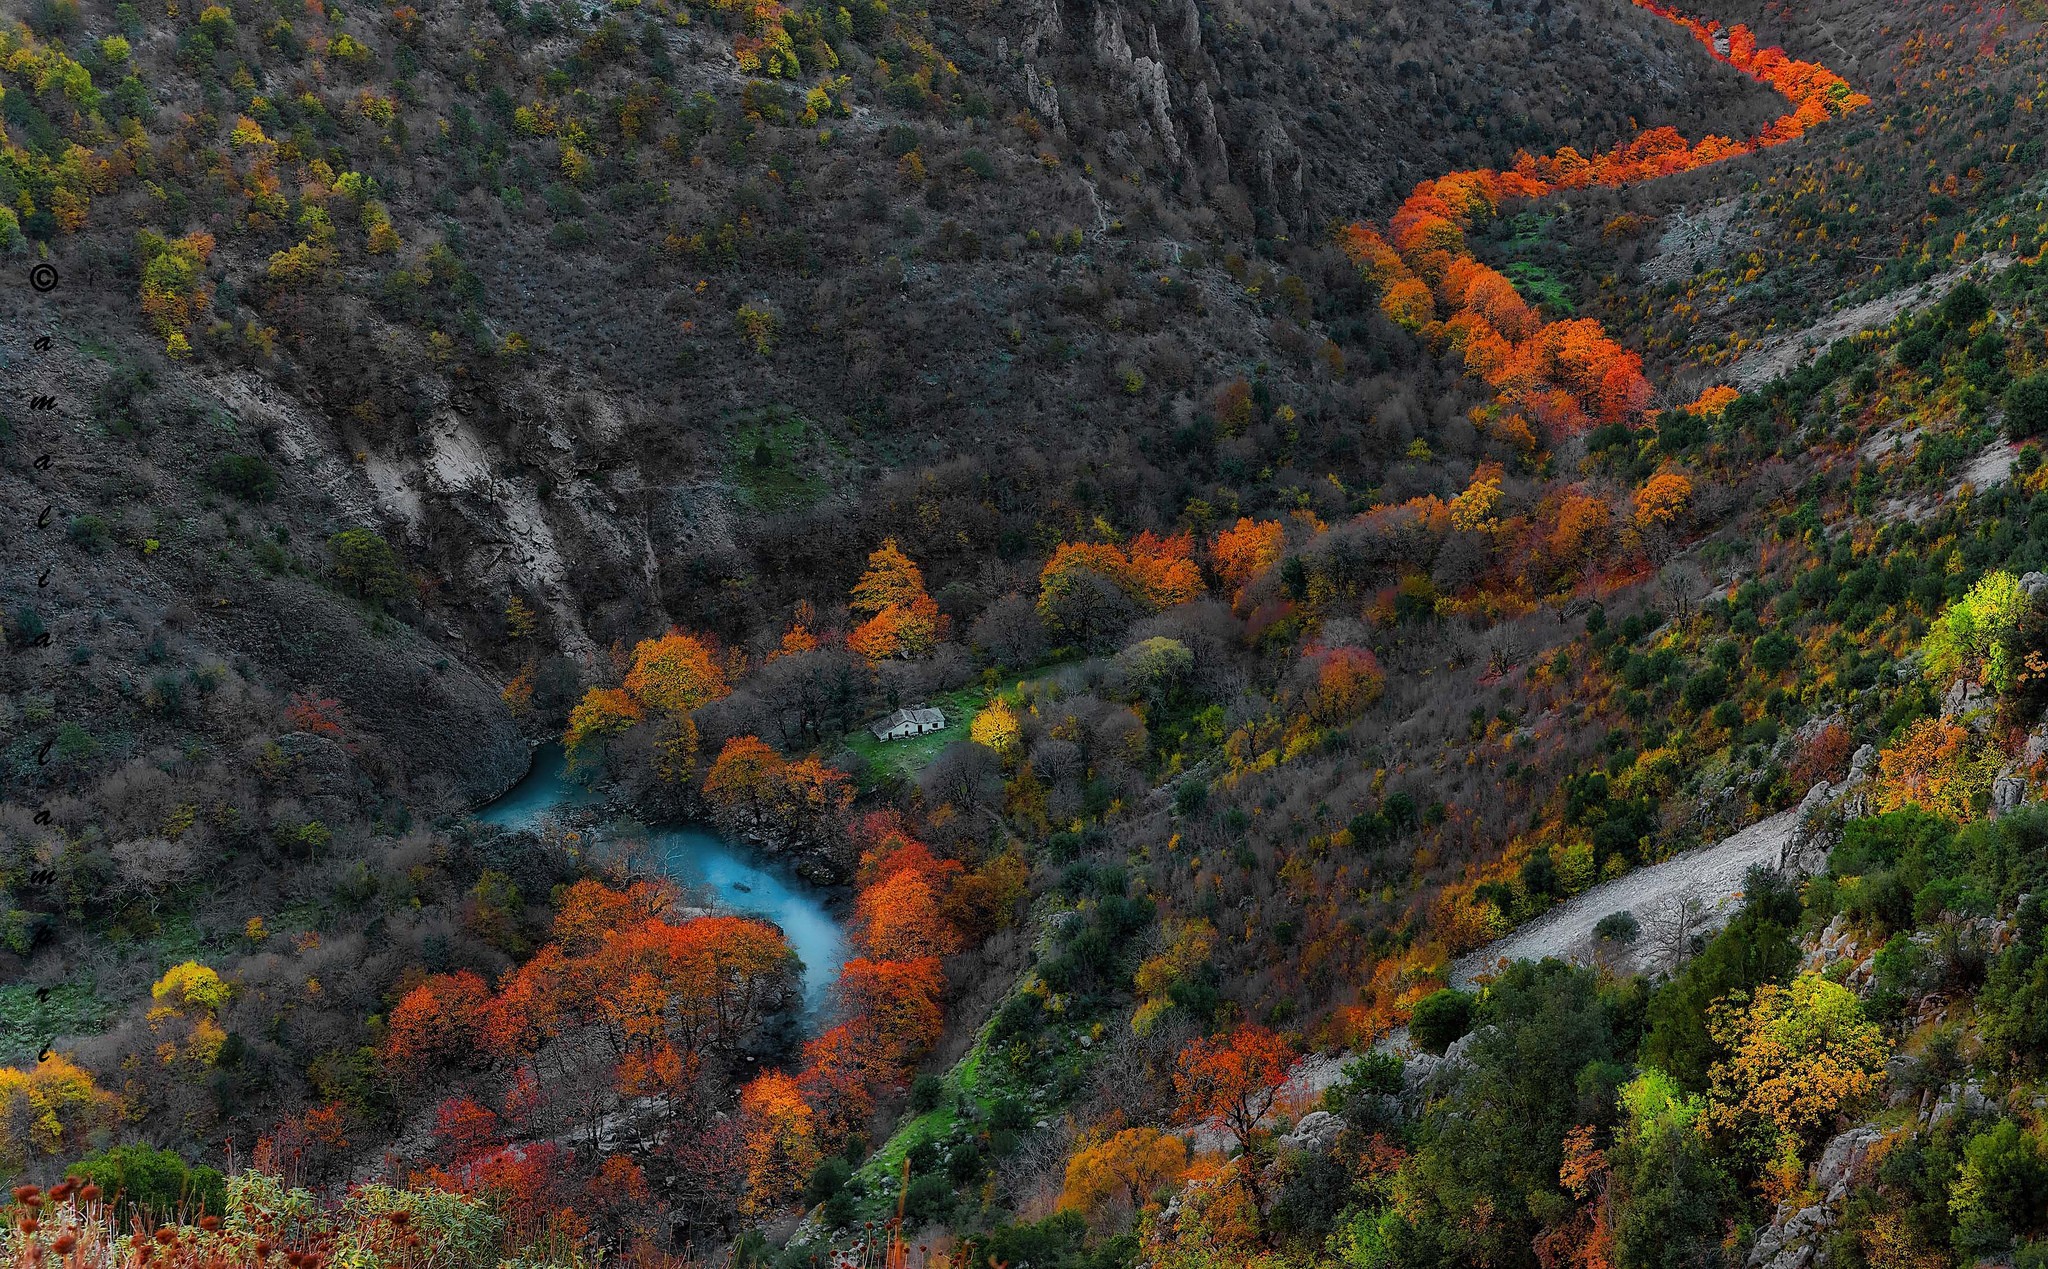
[[621, 992], [676, 673], [902, 619], [1713, 402], [1246, 550], [1232, 1080], [1567, 375], [1797, 1056], [1938, 765], [753, 790], [1084, 583], [1347, 682], [1128, 1167], [912, 909], [781, 1139], [898, 914], [1663, 501], [49, 1110], [670, 677], [440, 1020]]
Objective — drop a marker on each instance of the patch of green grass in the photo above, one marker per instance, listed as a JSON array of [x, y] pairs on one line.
[[903, 759], [1536, 283], [93, 346], [27, 1024], [775, 460], [167, 939], [936, 1124], [1039, 1077], [961, 1085]]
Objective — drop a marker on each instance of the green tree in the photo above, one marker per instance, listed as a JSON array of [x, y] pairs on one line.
[[2001, 1190], [244, 476], [1440, 1018], [367, 564], [2026, 406], [1545, 1059], [157, 1183], [2013, 1007], [1973, 637], [1667, 1190], [1965, 305], [1158, 666]]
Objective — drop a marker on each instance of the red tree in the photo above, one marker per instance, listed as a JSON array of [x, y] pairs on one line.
[[1234, 1079]]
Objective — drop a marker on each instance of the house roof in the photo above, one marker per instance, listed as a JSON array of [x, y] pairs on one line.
[[922, 717]]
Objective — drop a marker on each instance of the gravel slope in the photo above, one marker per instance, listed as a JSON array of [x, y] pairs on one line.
[[1709, 877]]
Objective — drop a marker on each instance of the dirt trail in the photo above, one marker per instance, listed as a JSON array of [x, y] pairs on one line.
[[1707, 879]]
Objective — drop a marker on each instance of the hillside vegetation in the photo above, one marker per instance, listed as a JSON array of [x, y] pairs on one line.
[[1353, 480]]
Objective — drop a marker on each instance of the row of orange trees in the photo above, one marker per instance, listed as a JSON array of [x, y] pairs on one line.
[[1564, 376]]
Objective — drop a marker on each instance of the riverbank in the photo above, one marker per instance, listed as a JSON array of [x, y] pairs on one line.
[[728, 875]]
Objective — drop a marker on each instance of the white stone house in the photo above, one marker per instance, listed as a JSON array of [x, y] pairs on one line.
[[907, 722]]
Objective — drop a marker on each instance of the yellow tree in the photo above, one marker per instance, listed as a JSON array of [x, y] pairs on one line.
[[1188, 944], [1660, 509], [995, 727], [669, 677], [1663, 501], [1938, 765], [49, 1111], [780, 1145], [1130, 1166], [892, 580], [1797, 1058], [603, 712], [187, 998], [675, 673], [191, 988], [742, 784]]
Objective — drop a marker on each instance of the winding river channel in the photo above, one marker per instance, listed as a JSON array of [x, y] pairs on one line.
[[733, 875]]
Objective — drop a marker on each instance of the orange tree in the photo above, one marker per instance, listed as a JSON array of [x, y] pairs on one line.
[[670, 678], [1233, 1080], [1130, 1166], [902, 619]]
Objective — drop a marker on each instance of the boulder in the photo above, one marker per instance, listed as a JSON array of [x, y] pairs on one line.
[[1806, 850], [1316, 1133], [1962, 699], [1793, 1241], [2007, 793], [1797, 1237], [1842, 1158]]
